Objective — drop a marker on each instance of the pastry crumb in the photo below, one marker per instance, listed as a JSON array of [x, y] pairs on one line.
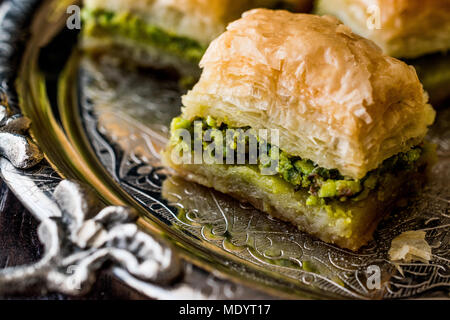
[[410, 246]]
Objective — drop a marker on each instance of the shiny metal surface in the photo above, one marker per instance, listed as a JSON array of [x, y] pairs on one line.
[[103, 126], [80, 241]]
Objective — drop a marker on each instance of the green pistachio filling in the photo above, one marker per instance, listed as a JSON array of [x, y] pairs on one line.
[[322, 184], [100, 23]]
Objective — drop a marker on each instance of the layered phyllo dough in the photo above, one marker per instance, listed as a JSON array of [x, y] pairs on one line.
[[350, 123]]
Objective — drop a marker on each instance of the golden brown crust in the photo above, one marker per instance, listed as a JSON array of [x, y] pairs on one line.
[[335, 97], [407, 28]]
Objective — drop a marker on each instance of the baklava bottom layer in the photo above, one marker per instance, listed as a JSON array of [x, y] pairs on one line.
[[347, 224]]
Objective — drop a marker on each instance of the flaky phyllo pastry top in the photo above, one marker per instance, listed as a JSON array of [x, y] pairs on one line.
[[335, 97]]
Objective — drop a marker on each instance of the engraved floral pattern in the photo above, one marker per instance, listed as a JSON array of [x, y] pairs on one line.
[[130, 151]]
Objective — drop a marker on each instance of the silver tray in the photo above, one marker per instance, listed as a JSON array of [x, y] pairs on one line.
[[101, 194]]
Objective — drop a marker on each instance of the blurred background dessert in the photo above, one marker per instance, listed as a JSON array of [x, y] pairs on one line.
[[417, 31]]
